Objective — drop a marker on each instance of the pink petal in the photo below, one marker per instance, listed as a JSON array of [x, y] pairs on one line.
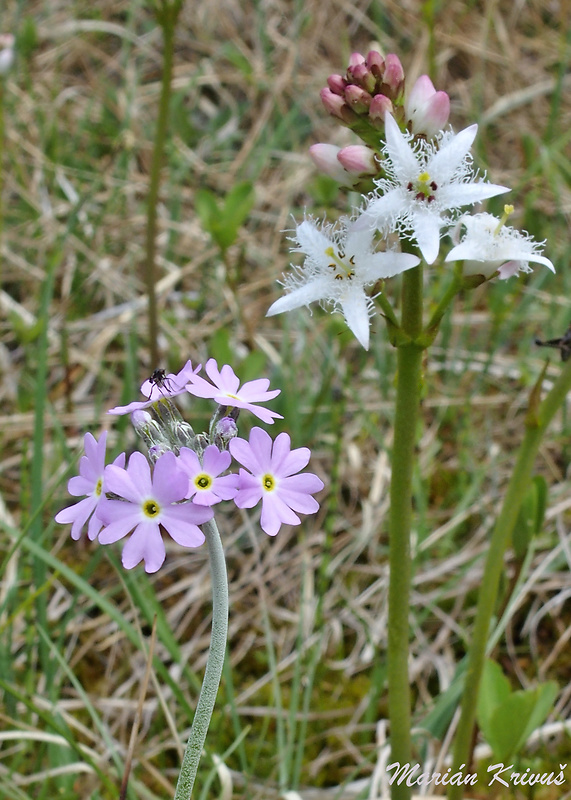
[[146, 544]]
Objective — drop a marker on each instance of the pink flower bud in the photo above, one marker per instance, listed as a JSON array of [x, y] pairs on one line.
[[358, 160], [358, 99], [362, 77], [354, 59], [380, 104], [324, 157], [376, 63], [426, 110], [337, 84], [394, 74], [337, 107], [333, 102]]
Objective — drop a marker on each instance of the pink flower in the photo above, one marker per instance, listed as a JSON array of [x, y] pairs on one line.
[[150, 502], [426, 110], [272, 479], [227, 392], [89, 482], [159, 386], [207, 485]]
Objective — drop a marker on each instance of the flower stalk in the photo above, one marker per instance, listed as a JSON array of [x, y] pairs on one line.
[[400, 518], [213, 671], [536, 423]]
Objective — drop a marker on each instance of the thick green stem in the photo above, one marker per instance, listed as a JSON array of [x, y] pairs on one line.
[[213, 671], [406, 416], [536, 425], [167, 18]]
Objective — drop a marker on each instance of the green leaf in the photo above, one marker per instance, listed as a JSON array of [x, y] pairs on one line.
[[223, 223], [506, 718], [531, 514], [238, 204], [206, 208], [515, 720], [494, 690]]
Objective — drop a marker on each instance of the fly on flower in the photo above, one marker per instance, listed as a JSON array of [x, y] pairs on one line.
[[159, 377], [563, 344]]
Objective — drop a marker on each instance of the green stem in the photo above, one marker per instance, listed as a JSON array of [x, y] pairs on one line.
[[453, 288], [536, 425], [2, 133], [213, 671], [167, 17], [400, 517]]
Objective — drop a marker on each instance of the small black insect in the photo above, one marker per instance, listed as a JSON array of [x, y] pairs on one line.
[[159, 377], [563, 344]]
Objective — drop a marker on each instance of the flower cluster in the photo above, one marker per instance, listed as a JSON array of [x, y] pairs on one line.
[[422, 176], [186, 473]]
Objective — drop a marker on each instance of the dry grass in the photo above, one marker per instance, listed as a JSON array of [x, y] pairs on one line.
[[80, 110]]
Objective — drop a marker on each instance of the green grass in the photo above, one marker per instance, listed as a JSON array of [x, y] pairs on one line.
[[298, 709]]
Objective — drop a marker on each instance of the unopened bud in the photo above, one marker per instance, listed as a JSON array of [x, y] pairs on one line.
[[324, 157], [380, 104], [337, 106], [376, 63], [333, 103], [426, 110], [355, 59], [157, 450], [358, 99], [225, 430], [394, 75], [363, 77], [337, 84], [182, 433], [358, 160]]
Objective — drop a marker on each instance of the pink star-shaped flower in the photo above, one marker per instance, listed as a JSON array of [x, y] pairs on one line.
[[150, 502], [226, 390], [272, 479]]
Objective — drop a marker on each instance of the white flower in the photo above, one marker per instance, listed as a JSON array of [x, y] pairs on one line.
[[6, 52], [488, 246], [424, 181], [340, 262]]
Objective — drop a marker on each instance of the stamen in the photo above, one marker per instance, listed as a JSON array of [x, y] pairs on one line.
[[340, 263], [508, 211], [424, 188]]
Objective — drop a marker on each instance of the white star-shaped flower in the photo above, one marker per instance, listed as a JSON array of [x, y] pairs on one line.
[[340, 261], [488, 246], [425, 182]]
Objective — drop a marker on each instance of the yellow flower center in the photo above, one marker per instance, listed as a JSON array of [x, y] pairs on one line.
[[203, 481], [268, 482], [424, 187], [151, 508], [343, 271], [98, 487]]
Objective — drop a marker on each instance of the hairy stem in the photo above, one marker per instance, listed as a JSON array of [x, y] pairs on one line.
[[213, 671]]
